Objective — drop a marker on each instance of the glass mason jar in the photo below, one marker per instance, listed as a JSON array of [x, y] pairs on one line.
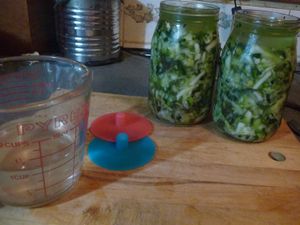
[[256, 71], [184, 50]]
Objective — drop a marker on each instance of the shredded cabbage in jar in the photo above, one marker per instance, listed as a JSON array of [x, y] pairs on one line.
[[252, 88], [182, 72]]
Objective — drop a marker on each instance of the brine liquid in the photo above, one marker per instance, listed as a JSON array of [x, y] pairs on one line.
[[38, 170]]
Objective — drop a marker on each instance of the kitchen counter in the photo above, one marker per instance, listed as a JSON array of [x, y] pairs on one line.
[[198, 176], [127, 77]]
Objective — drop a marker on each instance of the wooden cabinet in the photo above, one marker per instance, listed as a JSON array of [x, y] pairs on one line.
[[27, 26]]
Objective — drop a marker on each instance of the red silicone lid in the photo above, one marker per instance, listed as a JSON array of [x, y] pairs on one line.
[[107, 127]]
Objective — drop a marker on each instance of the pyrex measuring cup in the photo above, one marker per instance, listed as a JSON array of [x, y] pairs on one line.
[[44, 104]]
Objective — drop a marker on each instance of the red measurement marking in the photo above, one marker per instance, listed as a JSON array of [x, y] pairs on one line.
[[53, 153], [39, 91], [14, 145], [18, 76], [14, 93], [42, 168], [75, 127], [59, 135], [40, 141], [74, 151], [19, 177], [56, 183], [42, 84], [14, 100], [54, 168]]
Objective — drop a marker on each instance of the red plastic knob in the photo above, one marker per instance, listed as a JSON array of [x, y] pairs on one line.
[[107, 127]]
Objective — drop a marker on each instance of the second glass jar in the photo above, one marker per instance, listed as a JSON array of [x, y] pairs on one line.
[[184, 50], [256, 71]]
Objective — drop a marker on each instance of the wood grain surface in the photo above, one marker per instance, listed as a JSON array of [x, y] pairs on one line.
[[198, 176]]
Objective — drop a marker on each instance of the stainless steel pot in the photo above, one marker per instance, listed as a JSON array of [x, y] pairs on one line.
[[88, 30]]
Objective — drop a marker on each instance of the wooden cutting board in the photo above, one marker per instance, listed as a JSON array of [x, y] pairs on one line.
[[198, 177]]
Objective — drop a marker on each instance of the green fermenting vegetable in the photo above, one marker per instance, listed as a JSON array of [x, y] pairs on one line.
[[182, 71], [255, 77]]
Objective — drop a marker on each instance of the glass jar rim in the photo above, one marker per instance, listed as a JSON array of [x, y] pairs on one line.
[[269, 18], [189, 8], [82, 88]]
